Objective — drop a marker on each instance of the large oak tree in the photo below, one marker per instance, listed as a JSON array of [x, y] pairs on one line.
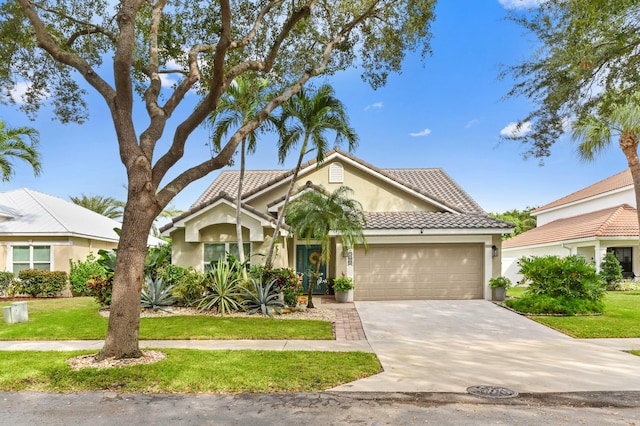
[[58, 48]]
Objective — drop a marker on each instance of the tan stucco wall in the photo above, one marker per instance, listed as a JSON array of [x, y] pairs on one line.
[[63, 249], [375, 195]]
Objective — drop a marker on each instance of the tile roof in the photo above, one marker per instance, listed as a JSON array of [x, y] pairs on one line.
[[620, 221], [617, 181], [433, 183], [432, 220]]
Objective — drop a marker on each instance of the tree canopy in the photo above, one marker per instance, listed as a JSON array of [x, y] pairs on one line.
[[587, 61], [522, 220]]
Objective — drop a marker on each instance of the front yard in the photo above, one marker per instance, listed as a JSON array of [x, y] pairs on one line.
[[621, 317]]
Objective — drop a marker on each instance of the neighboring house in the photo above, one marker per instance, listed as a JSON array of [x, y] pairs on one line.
[[44, 232], [599, 218], [427, 239]]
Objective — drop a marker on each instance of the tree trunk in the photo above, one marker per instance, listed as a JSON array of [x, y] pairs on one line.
[[238, 207], [124, 318], [629, 145], [313, 279], [268, 263]]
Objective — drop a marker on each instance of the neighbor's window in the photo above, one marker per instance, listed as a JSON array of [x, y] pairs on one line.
[[31, 257], [214, 252]]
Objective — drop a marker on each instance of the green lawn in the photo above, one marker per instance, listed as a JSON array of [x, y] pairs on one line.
[[621, 318], [190, 371], [78, 319]]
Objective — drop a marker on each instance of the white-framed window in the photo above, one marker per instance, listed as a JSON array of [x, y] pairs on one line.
[[336, 173], [30, 257], [214, 252]]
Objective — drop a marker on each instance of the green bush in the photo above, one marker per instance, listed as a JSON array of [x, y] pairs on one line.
[[497, 282], [39, 283], [222, 290], [611, 271], [343, 284], [82, 271], [543, 304], [554, 276], [6, 282], [188, 284], [286, 282]]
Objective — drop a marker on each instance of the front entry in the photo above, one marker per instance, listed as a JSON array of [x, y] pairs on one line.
[[306, 259]]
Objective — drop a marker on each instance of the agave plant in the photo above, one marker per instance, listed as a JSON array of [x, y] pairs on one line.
[[222, 289], [262, 299], [156, 294]]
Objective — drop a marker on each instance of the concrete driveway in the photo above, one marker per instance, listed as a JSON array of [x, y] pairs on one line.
[[447, 346]]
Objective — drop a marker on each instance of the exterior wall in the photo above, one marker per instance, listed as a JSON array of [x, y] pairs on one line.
[[63, 249], [374, 195], [625, 196]]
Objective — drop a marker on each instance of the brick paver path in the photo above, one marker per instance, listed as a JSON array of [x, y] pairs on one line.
[[348, 325]]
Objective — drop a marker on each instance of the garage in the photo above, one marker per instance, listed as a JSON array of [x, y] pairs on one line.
[[419, 271]]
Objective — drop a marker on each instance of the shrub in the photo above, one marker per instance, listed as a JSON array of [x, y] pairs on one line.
[[222, 291], [156, 294], [543, 304], [188, 284], [6, 282], [39, 283], [82, 271], [101, 289], [286, 281], [262, 299], [611, 271], [554, 276]]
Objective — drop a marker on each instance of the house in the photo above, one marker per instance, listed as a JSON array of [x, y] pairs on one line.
[[427, 238], [599, 218], [45, 232]]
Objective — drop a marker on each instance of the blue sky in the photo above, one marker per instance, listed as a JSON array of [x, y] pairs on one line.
[[444, 112]]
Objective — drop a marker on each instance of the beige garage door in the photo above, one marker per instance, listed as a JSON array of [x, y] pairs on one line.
[[419, 271]]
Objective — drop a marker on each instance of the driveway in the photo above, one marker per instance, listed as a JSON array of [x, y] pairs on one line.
[[447, 346]]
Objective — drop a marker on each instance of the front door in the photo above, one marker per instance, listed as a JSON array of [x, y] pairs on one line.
[[306, 259]]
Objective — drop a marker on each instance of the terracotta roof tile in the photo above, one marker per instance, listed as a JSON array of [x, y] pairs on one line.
[[620, 221], [432, 220], [614, 182]]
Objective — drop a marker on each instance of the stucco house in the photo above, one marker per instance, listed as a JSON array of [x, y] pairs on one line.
[[427, 239], [41, 231], [599, 218]]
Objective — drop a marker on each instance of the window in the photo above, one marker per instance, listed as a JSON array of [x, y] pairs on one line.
[[214, 252], [625, 257], [336, 173], [31, 257]]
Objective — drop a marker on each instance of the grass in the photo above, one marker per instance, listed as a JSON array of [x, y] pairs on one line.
[[621, 318], [190, 371], [78, 319]]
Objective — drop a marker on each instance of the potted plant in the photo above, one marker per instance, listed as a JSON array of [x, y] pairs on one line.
[[499, 287], [341, 287]]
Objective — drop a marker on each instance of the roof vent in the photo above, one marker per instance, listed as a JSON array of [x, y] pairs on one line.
[[336, 173]]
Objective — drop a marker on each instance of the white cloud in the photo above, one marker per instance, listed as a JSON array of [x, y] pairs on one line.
[[376, 105], [521, 4], [424, 132], [514, 130], [472, 123], [170, 80]]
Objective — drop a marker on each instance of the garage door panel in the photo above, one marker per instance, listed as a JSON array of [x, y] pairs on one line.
[[419, 271]]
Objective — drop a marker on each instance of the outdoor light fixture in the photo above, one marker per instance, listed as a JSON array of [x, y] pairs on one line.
[[494, 251]]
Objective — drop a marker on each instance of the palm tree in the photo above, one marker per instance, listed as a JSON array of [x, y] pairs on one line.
[[106, 206], [307, 116], [238, 106], [12, 144], [315, 214], [621, 121]]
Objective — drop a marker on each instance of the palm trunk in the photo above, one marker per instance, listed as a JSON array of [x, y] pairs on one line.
[[629, 145], [313, 279], [238, 207], [124, 319], [268, 263]]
